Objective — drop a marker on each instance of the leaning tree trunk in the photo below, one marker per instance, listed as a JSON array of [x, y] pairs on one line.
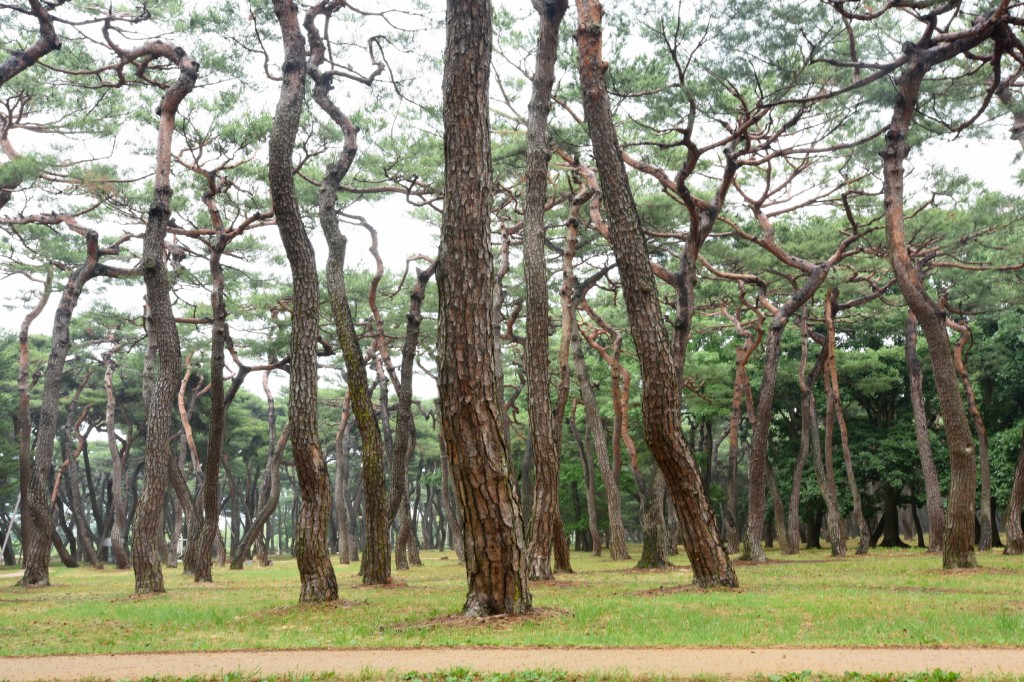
[[24, 429], [316, 573], [376, 565], [468, 385], [932, 490], [538, 375], [37, 508], [661, 393], [958, 534]]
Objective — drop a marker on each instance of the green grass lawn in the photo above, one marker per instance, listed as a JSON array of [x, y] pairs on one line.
[[890, 598]]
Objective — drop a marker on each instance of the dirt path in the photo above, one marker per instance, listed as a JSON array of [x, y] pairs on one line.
[[681, 662]]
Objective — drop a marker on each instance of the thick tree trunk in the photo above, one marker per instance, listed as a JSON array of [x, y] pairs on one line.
[[661, 390], [468, 384], [316, 573], [163, 348], [37, 509], [538, 376], [985, 517], [933, 493], [891, 517], [23, 424], [958, 536]]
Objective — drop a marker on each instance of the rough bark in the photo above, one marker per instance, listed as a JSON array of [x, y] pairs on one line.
[[932, 490], [958, 534], [37, 547], [376, 564], [468, 385], [985, 516], [451, 510], [538, 376], [661, 390], [23, 424], [318, 581]]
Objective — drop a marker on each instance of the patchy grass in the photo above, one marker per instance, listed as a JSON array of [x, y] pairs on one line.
[[887, 599]]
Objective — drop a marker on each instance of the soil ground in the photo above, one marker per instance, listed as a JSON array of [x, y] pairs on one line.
[[740, 663]]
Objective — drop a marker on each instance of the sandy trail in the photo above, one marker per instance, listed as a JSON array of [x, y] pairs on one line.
[[678, 661]]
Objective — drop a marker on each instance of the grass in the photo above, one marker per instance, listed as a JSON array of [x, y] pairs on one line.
[[890, 598]]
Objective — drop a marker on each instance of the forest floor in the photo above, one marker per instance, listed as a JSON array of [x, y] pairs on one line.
[[686, 663], [894, 612]]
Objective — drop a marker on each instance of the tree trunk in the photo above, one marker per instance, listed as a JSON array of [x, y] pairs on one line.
[[215, 442], [341, 471], [37, 548], [316, 573], [985, 506], [586, 452], [933, 493], [834, 414], [451, 510], [538, 376], [652, 554], [270, 495], [468, 385], [661, 390], [31, 535], [958, 536], [825, 475], [891, 518], [616, 529], [1014, 530]]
